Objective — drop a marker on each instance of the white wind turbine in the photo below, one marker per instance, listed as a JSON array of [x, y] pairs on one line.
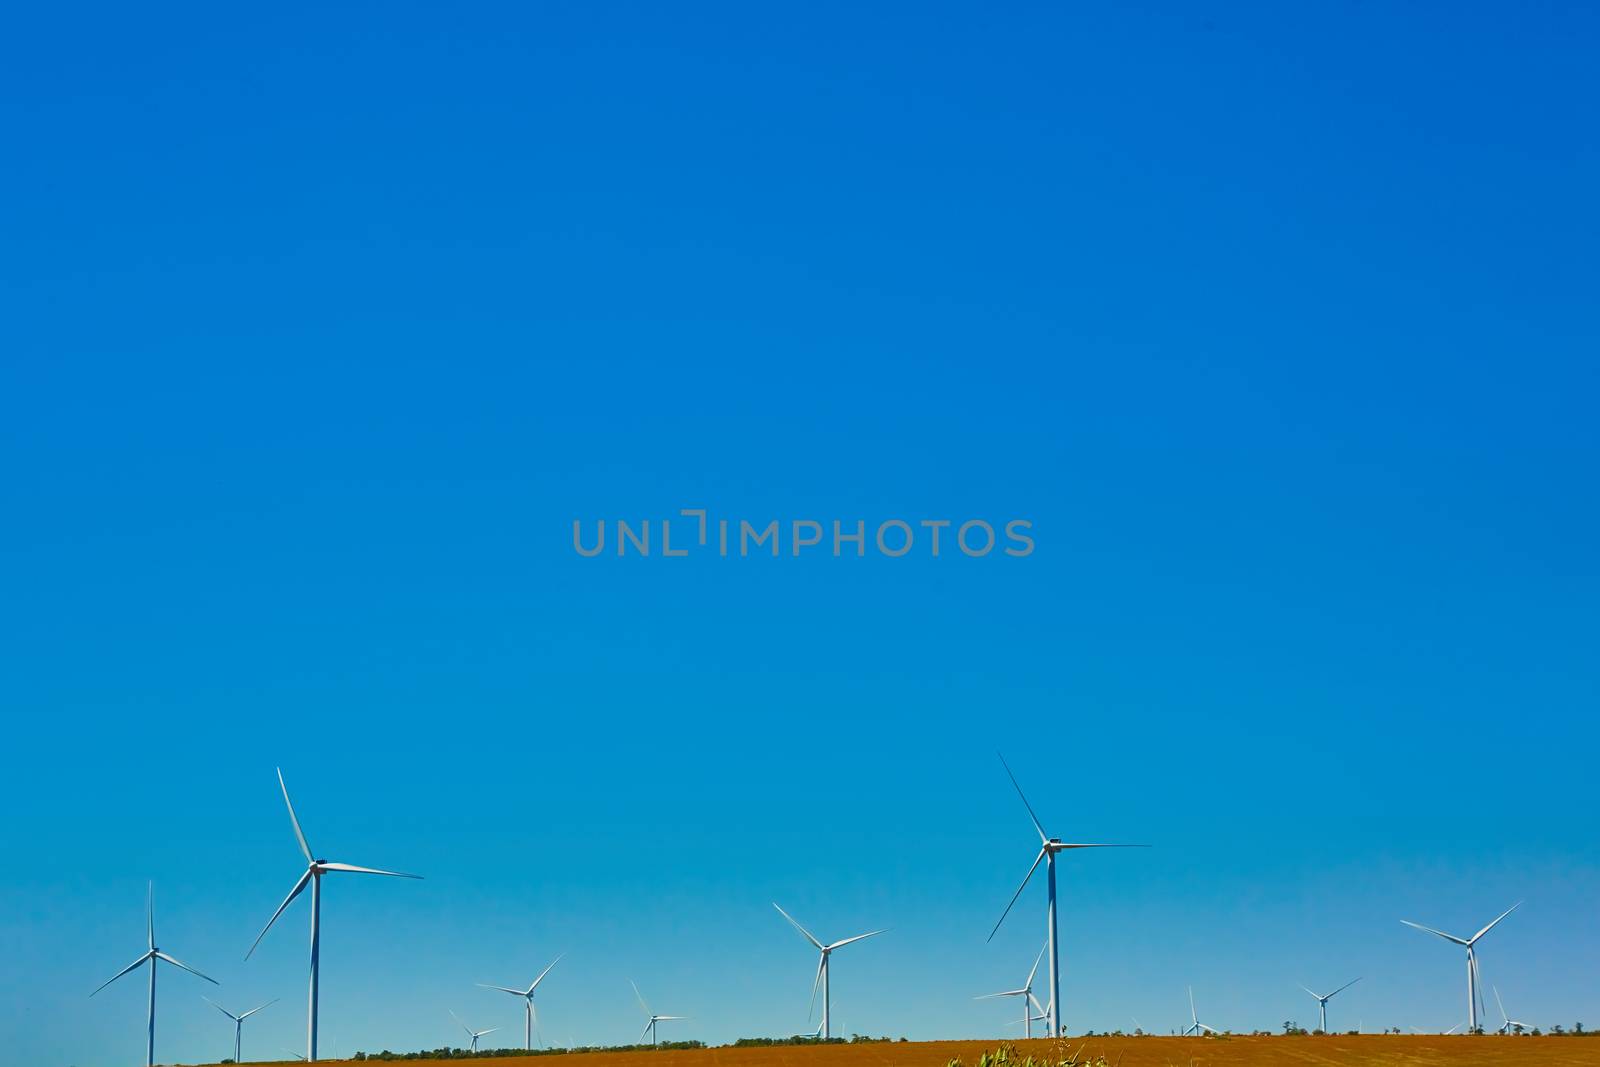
[[473, 1034], [1029, 1003], [238, 1021], [528, 1015], [1196, 1025], [314, 871], [822, 966], [650, 1027], [1049, 846], [1322, 1001], [1474, 994], [152, 954], [1509, 1023]]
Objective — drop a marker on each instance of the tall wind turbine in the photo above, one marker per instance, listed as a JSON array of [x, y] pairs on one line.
[[152, 954], [1474, 994], [1510, 1023], [1196, 1026], [527, 998], [473, 1034], [1049, 846], [238, 1021], [1026, 993], [314, 871], [650, 1027], [1322, 1001], [822, 966]]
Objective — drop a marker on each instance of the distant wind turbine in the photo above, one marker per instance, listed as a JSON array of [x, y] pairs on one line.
[[650, 1027], [1196, 1025], [473, 1034], [1049, 846], [152, 954], [528, 1014], [1509, 1024], [238, 1021], [822, 966], [1026, 993], [315, 869], [1322, 1001], [1474, 994]]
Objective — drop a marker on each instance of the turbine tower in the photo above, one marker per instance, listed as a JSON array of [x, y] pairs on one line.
[[1506, 1027], [528, 1015], [473, 1034], [152, 954], [1049, 846], [1322, 1001], [314, 871], [1474, 995], [1196, 1025], [822, 966], [1026, 993], [650, 1027], [238, 1021]]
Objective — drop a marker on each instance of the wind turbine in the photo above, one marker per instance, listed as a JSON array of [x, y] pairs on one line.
[[1322, 1001], [474, 1034], [527, 997], [1196, 1026], [1049, 846], [152, 954], [822, 966], [1505, 1027], [650, 1027], [1474, 995], [315, 869], [238, 1021], [1026, 993]]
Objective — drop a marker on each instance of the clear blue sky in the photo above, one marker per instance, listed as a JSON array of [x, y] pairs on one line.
[[322, 325]]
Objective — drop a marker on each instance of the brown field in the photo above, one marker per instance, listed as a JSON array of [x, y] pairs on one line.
[[1402, 1051]]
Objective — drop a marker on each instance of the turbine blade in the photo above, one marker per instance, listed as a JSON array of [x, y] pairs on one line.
[[299, 835], [821, 962], [1342, 988], [503, 989], [459, 1023], [665, 1018], [1007, 993], [150, 913], [1037, 1007], [806, 933], [1441, 933], [1500, 1004], [1028, 985], [352, 869], [486, 1033], [640, 998], [179, 963], [858, 937], [645, 1031], [1192, 1013], [1025, 879], [132, 966], [223, 1010], [252, 1011], [542, 973], [298, 886], [1492, 925], [1044, 838], [1313, 995]]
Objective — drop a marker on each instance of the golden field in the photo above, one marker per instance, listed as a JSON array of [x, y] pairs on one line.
[[1307, 1051]]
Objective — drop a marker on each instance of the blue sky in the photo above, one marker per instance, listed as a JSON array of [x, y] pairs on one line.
[[324, 325]]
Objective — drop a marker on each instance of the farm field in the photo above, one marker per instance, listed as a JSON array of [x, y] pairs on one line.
[[1397, 1050]]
